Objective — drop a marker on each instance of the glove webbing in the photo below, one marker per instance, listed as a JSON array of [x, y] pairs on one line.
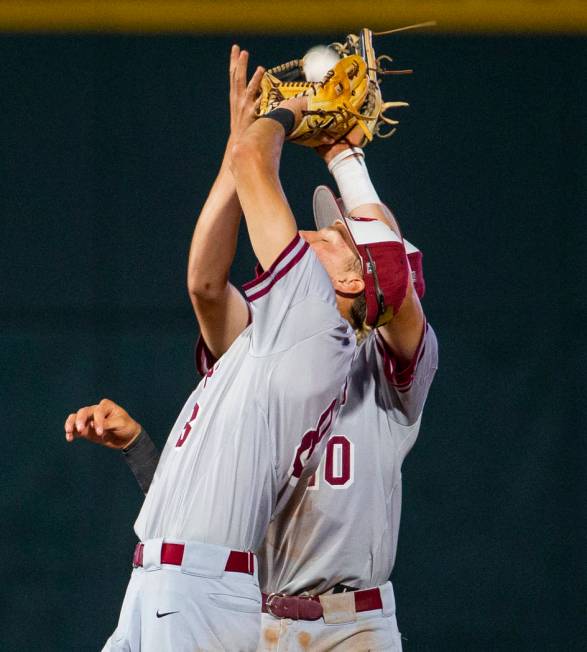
[[289, 71]]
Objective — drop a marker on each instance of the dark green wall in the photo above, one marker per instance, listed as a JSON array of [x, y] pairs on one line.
[[109, 145]]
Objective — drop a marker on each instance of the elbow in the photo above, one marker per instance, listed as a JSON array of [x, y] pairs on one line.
[[245, 156], [195, 287], [203, 290]]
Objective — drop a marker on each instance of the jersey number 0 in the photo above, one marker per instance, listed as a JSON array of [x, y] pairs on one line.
[[338, 464]]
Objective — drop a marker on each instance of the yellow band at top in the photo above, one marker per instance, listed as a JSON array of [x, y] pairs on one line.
[[332, 17]]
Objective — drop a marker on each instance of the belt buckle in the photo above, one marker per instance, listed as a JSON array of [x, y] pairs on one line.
[[269, 601]]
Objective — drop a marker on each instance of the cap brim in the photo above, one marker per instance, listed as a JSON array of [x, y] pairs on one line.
[[367, 230], [326, 209]]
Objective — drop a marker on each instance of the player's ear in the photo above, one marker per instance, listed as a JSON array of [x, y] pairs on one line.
[[350, 286]]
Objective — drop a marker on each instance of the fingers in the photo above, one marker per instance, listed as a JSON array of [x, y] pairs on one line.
[[255, 84], [244, 95], [92, 417], [70, 427], [104, 411], [99, 416], [239, 61], [83, 417], [234, 54], [240, 73], [78, 423]]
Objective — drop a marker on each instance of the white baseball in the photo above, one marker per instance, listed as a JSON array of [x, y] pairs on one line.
[[318, 61]]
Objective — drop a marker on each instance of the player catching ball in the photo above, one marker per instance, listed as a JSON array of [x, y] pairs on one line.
[[247, 435], [326, 559]]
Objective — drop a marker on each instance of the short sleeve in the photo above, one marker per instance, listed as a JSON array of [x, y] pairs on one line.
[[291, 301], [205, 359], [405, 388]]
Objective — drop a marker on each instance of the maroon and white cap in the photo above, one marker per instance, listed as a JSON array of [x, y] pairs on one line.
[[416, 267], [333, 213], [382, 253]]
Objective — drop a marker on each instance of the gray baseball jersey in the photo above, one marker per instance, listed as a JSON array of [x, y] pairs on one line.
[[344, 527], [259, 420]]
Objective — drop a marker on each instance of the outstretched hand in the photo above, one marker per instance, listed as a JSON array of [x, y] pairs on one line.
[[243, 96], [105, 423]]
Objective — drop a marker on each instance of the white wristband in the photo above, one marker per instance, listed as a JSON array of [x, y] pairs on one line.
[[352, 178], [346, 153]]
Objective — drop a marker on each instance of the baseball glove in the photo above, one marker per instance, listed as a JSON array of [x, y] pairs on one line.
[[348, 95]]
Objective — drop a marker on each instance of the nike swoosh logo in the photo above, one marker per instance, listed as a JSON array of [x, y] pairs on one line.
[[167, 613]]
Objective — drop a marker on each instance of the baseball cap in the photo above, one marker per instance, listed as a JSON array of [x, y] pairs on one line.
[[382, 254]]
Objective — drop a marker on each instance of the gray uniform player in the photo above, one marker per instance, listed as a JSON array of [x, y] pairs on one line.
[[246, 436], [338, 538], [343, 533], [340, 541], [326, 561]]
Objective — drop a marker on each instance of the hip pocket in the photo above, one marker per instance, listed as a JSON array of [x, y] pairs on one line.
[[235, 602]]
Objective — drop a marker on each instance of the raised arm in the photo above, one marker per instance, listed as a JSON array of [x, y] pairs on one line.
[[255, 159], [220, 309], [404, 332]]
